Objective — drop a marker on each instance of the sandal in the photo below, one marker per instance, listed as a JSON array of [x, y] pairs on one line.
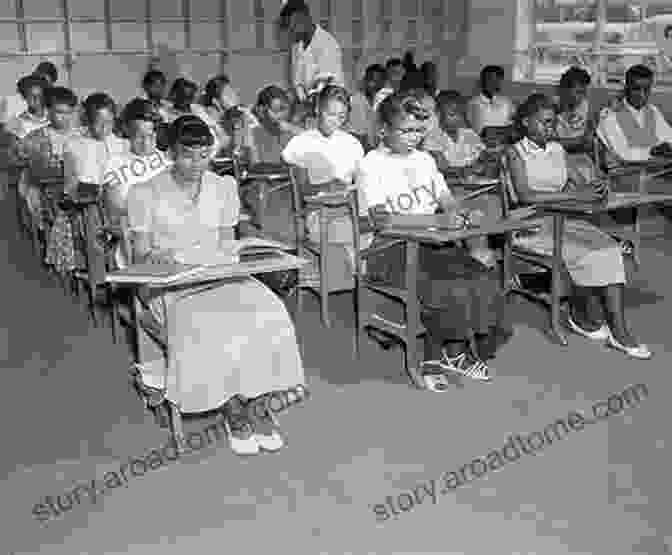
[[265, 426], [476, 370], [433, 376], [241, 435]]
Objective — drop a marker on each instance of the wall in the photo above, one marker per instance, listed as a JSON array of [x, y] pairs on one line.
[[108, 44]]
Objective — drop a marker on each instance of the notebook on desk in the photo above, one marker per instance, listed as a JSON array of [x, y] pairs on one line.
[[233, 252], [157, 274]]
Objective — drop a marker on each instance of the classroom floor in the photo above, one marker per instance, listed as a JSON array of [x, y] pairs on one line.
[[68, 417]]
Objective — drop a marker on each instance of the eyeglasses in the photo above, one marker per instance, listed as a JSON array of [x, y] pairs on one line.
[[410, 131]]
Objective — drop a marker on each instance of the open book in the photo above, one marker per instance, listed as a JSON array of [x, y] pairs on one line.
[[156, 274], [232, 252]]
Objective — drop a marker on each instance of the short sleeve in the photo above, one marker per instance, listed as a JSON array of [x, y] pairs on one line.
[[229, 201], [294, 152], [139, 208], [368, 185]]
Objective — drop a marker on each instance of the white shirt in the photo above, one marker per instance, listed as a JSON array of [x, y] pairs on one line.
[[611, 134], [322, 58], [86, 159], [404, 184], [460, 153], [123, 171], [484, 112], [325, 158]]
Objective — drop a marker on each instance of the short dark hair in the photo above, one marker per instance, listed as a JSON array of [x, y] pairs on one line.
[[393, 62], [491, 70], [27, 82], [333, 92], [574, 76], [401, 104], [448, 96], [59, 95], [153, 76], [48, 69], [96, 102], [412, 81], [290, 8], [667, 31], [374, 68], [533, 105], [268, 94], [190, 131], [182, 86], [140, 109], [638, 71], [213, 88]]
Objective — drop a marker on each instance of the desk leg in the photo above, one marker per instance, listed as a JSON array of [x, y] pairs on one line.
[[262, 200], [556, 332], [412, 314]]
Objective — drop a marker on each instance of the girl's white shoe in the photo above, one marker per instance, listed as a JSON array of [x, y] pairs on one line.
[[641, 351]]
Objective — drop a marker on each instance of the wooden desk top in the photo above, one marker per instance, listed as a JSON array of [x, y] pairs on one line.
[[230, 271], [432, 232], [615, 201]]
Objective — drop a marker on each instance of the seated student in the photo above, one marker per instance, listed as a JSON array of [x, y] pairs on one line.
[[635, 130], [183, 96], [461, 298], [594, 261], [154, 85], [326, 155], [139, 164], [271, 136], [85, 160], [456, 146], [42, 149], [575, 125], [14, 105], [231, 344], [363, 115], [218, 97], [489, 108]]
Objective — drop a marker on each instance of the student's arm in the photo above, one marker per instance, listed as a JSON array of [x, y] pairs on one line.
[[139, 213], [612, 135], [473, 118], [70, 173]]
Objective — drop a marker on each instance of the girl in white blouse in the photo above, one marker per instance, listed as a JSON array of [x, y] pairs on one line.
[[593, 259]]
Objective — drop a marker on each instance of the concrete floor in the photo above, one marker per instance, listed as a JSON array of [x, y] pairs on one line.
[[68, 416]]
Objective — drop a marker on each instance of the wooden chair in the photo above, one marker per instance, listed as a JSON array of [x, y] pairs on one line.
[[266, 178], [405, 326], [96, 240], [330, 205]]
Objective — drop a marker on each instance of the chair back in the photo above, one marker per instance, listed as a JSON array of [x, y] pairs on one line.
[[508, 193]]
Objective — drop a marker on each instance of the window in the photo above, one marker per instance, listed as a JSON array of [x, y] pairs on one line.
[[604, 36]]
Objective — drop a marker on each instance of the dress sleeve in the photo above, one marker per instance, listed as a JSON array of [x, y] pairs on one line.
[[229, 202], [139, 205]]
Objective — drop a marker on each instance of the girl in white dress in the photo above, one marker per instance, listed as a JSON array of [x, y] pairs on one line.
[[594, 261]]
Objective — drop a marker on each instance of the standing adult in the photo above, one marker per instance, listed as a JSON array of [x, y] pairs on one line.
[[316, 56], [15, 104]]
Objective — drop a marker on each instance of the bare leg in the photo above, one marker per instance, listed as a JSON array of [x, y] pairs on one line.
[[615, 314], [586, 307]]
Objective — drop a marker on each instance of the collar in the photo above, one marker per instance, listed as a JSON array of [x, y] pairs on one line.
[[26, 115], [485, 100], [632, 109], [530, 147]]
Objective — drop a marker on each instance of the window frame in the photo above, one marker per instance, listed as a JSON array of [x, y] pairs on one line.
[[593, 57]]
